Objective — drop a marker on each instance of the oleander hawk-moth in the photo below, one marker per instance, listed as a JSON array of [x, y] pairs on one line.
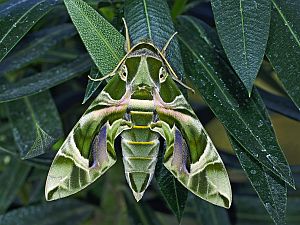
[[140, 103]]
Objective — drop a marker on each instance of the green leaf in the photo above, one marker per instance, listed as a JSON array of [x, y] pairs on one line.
[[11, 179], [281, 105], [172, 190], [139, 213], [151, 20], [245, 118], [16, 19], [283, 48], [35, 123], [44, 80], [271, 190], [178, 8], [104, 43], [92, 86], [205, 213], [64, 212], [243, 27], [38, 44]]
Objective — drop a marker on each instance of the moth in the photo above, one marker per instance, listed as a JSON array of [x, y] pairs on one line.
[[140, 103]]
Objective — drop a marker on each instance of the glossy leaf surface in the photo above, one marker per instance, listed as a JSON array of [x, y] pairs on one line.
[[35, 46], [271, 190], [245, 118], [34, 130], [16, 19], [243, 27], [283, 49], [172, 191], [104, 43], [44, 80], [67, 212]]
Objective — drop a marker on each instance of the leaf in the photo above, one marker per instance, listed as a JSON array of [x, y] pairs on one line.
[[283, 48], [245, 118], [139, 213], [173, 192], [92, 86], [178, 8], [206, 213], [243, 27], [44, 80], [271, 190], [38, 44], [16, 19], [11, 179], [64, 212], [35, 123], [281, 105], [151, 20], [103, 42]]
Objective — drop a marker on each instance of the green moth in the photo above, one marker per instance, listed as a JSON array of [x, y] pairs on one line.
[[140, 103]]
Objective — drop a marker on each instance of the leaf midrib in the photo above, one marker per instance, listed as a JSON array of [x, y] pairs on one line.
[[286, 22], [244, 36], [96, 31], [147, 18], [18, 20]]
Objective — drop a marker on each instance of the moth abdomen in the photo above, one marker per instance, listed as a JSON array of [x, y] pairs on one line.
[[140, 146]]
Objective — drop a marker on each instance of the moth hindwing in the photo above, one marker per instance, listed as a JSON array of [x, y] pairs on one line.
[[140, 103]]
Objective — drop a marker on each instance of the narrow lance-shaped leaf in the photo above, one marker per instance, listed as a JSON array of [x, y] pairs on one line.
[[205, 213], [281, 105], [60, 212], [243, 27], [173, 192], [151, 20], [228, 99], [92, 85], [16, 19], [271, 190], [38, 44], [11, 179], [139, 213], [44, 80], [103, 42], [35, 123], [283, 48]]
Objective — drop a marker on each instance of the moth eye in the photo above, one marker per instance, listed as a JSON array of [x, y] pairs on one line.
[[123, 72], [162, 75]]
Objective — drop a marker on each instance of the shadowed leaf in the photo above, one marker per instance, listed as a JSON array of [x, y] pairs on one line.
[[16, 19], [35, 123]]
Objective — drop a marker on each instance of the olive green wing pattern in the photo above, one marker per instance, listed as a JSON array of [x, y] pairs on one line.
[[190, 154], [88, 151]]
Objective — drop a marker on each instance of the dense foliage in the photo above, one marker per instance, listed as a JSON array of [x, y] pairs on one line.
[[241, 58]]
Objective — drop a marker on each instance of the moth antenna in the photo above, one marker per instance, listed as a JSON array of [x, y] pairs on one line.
[[100, 79], [184, 85], [163, 51], [127, 42]]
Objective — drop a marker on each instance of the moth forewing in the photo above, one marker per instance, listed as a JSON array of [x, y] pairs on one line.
[[140, 103], [88, 151], [191, 156]]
